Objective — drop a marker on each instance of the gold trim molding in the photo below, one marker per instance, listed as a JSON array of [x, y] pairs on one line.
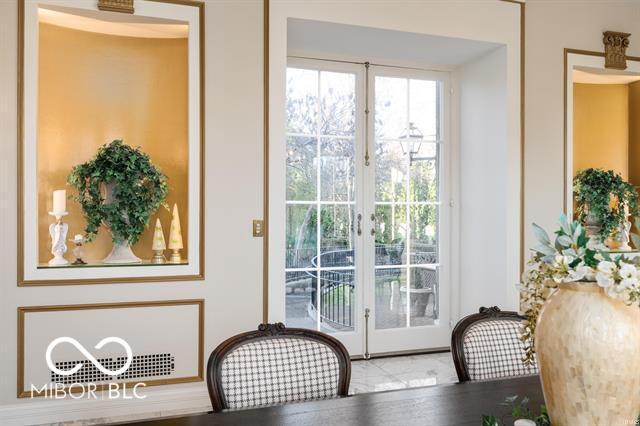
[[23, 310], [615, 49], [565, 146], [124, 6], [21, 282]]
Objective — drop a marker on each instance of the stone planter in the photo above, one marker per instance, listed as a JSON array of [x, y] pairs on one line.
[[588, 350], [419, 299], [593, 226], [121, 251]]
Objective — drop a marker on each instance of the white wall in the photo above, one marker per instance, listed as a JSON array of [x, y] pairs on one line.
[[552, 26], [482, 92], [233, 197]]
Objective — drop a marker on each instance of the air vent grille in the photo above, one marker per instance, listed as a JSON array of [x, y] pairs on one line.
[[151, 365]]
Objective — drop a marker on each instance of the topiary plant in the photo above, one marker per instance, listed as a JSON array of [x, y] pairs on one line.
[[602, 195], [121, 188]]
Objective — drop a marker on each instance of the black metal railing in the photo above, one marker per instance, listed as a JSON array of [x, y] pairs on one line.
[[336, 301]]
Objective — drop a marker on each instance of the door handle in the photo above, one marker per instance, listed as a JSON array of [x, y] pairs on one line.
[[359, 226]]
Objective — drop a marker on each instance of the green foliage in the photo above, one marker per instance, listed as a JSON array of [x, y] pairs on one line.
[[595, 189], [518, 409], [139, 189]]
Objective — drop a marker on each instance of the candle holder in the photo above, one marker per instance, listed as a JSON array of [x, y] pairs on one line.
[[175, 256], [58, 232], [158, 257], [78, 252]]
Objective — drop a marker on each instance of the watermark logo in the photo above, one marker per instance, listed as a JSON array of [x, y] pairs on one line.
[[88, 355], [88, 390]]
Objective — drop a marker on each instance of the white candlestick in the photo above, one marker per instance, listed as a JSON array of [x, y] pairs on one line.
[[59, 201]]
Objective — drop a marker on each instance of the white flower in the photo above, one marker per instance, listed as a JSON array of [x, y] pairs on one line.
[[628, 271], [604, 280], [607, 267], [581, 272], [618, 292], [562, 262], [627, 284]]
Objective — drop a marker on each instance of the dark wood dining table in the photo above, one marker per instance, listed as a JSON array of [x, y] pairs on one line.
[[454, 404]]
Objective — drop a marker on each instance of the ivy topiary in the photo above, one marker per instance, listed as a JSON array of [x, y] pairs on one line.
[[139, 188], [595, 189]]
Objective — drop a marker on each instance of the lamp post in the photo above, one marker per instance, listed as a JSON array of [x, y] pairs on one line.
[[411, 141]]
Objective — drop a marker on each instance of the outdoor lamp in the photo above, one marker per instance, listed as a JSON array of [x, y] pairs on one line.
[[411, 141]]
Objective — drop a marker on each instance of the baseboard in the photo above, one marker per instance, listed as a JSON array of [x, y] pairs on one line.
[[159, 402]]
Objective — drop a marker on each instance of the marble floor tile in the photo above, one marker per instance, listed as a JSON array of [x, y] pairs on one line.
[[402, 371]]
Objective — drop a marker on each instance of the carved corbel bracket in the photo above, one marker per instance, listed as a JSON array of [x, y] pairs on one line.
[[124, 6], [615, 47]]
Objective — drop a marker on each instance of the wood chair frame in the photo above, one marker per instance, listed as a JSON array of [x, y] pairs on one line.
[[269, 331], [457, 336]]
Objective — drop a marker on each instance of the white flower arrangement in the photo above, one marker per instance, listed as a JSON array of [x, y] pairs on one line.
[[572, 259]]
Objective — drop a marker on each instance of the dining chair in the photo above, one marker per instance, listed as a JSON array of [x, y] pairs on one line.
[[487, 346], [275, 365]]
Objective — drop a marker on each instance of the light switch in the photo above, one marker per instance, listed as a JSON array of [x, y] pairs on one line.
[[258, 226]]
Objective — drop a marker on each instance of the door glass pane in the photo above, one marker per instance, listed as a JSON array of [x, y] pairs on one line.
[[338, 103], [423, 102], [337, 244], [391, 228], [302, 101], [424, 234], [301, 235], [301, 168], [406, 201], [337, 177], [390, 297], [424, 173], [391, 171], [423, 292], [320, 200], [390, 107], [337, 300], [299, 293]]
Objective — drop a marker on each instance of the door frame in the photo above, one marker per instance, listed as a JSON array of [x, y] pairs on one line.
[[449, 167]]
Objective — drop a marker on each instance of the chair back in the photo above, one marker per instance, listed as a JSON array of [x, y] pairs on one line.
[[487, 346], [275, 365]]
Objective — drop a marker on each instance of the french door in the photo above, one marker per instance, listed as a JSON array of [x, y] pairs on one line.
[[366, 232]]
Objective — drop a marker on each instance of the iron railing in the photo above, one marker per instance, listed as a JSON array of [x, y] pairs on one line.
[[336, 289]]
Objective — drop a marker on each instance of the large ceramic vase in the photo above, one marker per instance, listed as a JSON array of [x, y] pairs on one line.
[[121, 251], [588, 350]]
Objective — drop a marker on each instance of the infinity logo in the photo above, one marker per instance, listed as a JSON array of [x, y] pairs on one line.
[[88, 355]]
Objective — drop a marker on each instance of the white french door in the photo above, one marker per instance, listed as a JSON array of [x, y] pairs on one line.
[[405, 261], [366, 234]]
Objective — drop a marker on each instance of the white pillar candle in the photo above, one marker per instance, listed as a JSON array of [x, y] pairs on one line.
[[59, 201], [524, 422]]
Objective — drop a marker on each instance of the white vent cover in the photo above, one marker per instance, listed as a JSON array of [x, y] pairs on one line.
[[151, 366]]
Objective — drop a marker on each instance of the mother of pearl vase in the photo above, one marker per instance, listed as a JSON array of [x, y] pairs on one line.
[[588, 350]]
